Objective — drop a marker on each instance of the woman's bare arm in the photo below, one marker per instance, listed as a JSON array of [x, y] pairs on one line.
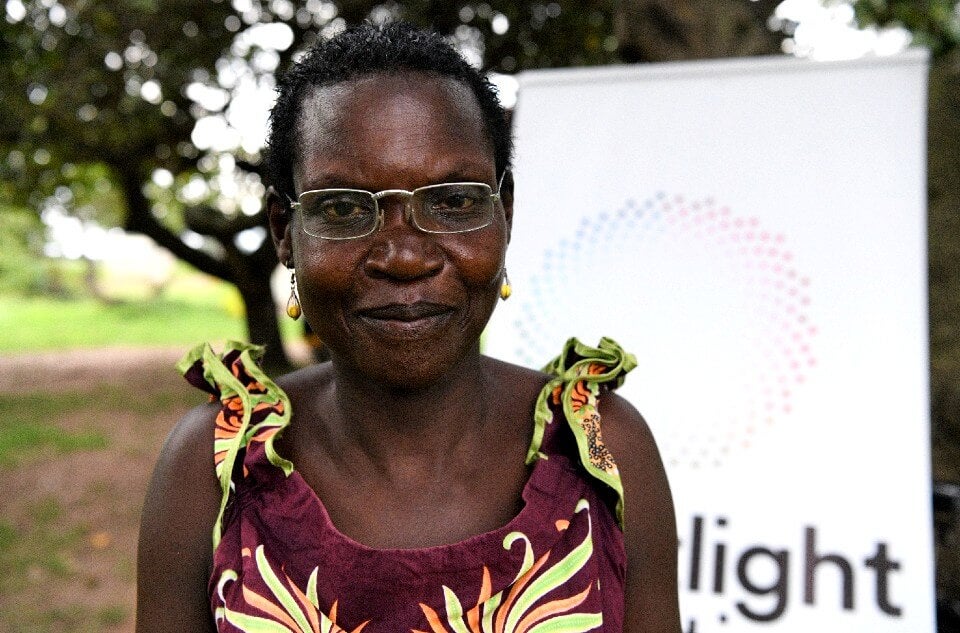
[[650, 532], [175, 550]]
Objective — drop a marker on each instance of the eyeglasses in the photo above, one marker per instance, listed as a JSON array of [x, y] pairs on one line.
[[346, 214]]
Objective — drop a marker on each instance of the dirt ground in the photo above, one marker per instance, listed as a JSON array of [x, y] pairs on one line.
[[71, 517]]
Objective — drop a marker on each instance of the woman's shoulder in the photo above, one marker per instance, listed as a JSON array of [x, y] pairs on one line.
[[186, 460]]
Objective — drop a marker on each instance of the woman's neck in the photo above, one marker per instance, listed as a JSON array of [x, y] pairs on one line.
[[430, 425]]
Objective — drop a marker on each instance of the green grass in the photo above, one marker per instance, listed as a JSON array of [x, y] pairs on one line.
[[19, 442], [32, 324], [25, 419]]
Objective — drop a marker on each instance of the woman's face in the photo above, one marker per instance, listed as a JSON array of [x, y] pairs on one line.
[[398, 306]]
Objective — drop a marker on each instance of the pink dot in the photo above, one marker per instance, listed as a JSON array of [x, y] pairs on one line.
[[787, 256], [812, 330], [765, 236], [777, 268], [758, 251], [805, 301], [812, 362], [805, 281], [738, 223], [684, 213], [750, 235], [724, 225], [792, 274], [725, 210], [801, 378], [780, 238]]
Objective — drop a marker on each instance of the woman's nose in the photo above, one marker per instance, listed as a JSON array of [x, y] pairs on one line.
[[401, 250]]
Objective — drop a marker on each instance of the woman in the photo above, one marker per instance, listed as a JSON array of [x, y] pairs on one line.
[[416, 484]]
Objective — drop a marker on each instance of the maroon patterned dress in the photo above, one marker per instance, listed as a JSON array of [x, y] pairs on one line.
[[281, 565]]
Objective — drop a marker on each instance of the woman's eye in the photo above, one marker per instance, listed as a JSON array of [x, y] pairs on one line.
[[341, 210], [454, 202]]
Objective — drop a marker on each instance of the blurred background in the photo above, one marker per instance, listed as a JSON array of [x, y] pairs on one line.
[[132, 226]]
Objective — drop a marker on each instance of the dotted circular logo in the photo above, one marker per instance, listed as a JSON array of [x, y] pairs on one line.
[[718, 295]]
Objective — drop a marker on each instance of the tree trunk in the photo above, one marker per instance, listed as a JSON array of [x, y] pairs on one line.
[[263, 327]]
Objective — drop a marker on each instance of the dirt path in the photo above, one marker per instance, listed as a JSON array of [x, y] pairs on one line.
[[70, 516], [78, 370]]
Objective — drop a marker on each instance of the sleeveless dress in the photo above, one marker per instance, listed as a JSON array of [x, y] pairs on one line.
[[280, 564]]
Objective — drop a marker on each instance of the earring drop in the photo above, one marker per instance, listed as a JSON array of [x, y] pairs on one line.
[[505, 288], [293, 303]]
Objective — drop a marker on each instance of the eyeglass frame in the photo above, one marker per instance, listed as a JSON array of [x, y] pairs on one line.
[[407, 207]]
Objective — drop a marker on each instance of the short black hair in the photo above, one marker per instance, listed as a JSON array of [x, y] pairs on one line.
[[368, 49]]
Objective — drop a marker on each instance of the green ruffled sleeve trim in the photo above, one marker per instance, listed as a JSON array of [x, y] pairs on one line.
[[243, 388], [580, 373]]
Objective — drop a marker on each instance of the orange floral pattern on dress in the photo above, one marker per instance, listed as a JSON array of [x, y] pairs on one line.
[[525, 607]]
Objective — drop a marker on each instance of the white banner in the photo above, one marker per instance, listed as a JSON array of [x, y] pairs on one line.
[[754, 231]]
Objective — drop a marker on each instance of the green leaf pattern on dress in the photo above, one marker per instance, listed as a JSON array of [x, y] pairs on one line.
[[522, 609]]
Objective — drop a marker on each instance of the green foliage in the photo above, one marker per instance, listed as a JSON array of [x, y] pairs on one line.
[[73, 77], [934, 24]]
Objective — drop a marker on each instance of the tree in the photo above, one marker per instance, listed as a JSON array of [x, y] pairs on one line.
[[104, 84]]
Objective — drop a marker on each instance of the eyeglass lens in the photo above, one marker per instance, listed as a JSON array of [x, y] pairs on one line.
[[445, 208]]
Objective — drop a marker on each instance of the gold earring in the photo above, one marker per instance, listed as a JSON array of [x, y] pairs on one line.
[[293, 303], [505, 288]]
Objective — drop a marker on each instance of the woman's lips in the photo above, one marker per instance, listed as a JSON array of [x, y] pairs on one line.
[[406, 320]]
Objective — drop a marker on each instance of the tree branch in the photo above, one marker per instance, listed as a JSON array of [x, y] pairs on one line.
[[140, 220]]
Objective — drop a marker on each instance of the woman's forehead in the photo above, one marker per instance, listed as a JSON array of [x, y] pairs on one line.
[[381, 100], [391, 118]]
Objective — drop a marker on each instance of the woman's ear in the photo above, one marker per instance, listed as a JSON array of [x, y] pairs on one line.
[[506, 197], [280, 217]]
